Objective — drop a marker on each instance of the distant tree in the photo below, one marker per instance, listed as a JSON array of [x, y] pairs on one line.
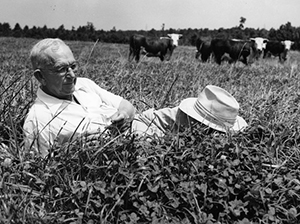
[[236, 33], [272, 34], [221, 33], [5, 30], [171, 30], [35, 32], [242, 22], [72, 34], [296, 45], [91, 31], [90, 27], [205, 32], [82, 33], [17, 27], [26, 31], [193, 39], [61, 32], [287, 32], [45, 32], [113, 29], [153, 33], [262, 33], [17, 31]]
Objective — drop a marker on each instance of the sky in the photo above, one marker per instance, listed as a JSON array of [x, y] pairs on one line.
[[150, 14]]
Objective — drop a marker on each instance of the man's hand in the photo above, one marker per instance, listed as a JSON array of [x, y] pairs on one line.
[[121, 122]]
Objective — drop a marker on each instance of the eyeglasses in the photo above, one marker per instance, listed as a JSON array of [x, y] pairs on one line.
[[63, 70]]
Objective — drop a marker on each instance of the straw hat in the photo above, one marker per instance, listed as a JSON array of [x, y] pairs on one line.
[[216, 108]]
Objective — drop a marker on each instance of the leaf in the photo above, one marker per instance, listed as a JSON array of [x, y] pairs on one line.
[[58, 190], [100, 186], [203, 188], [225, 173], [133, 217], [236, 162], [271, 211], [237, 186], [268, 190], [293, 212], [154, 189], [278, 181], [244, 221]]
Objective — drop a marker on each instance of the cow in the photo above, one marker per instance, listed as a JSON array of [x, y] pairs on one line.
[[203, 49], [175, 37], [260, 44], [236, 49], [158, 48], [278, 48]]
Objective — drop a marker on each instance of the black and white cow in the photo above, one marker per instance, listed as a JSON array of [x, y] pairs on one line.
[[157, 48], [235, 48], [278, 48], [260, 45]]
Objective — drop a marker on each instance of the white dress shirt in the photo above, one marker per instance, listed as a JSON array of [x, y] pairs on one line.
[[53, 120]]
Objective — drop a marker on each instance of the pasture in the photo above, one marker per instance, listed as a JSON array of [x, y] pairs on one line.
[[251, 177]]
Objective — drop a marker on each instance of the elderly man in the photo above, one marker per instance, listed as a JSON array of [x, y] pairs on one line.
[[68, 107]]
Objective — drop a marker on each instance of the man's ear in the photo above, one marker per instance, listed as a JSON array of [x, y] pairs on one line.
[[39, 76]]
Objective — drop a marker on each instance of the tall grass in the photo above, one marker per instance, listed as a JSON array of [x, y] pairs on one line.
[[251, 177]]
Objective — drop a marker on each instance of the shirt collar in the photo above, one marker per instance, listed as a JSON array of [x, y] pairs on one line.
[[51, 102], [54, 103]]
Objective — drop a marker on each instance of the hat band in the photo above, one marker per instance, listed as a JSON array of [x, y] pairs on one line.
[[202, 111]]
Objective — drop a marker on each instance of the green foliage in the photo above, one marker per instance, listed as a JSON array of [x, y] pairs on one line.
[[187, 177]]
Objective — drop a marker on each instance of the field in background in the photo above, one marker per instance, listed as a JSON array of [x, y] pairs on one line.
[[176, 179]]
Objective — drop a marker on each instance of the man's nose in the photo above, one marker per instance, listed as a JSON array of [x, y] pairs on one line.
[[70, 73]]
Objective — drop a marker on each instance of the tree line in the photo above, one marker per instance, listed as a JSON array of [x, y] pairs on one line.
[[89, 33]]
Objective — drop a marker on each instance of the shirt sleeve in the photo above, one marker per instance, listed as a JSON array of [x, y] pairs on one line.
[[155, 122]]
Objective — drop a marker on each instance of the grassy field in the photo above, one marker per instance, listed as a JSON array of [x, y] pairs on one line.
[[251, 177]]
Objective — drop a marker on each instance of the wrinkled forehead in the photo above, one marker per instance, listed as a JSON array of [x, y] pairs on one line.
[[58, 54]]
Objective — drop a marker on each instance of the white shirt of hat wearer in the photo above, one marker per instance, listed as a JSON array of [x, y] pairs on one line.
[[214, 107]]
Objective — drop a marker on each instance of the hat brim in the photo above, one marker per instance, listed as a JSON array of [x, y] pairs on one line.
[[187, 106]]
